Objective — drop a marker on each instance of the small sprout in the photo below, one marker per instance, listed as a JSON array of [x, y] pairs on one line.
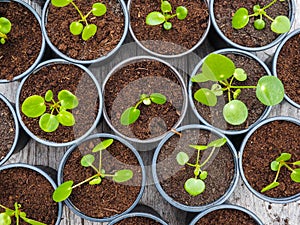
[[82, 26], [64, 190], [35, 106], [277, 164], [196, 185], [220, 69], [156, 18], [131, 114], [5, 27], [5, 217], [281, 24]]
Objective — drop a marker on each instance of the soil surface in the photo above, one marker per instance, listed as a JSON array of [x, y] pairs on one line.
[[137, 221], [32, 191], [7, 129], [227, 217], [24, 40], [214, 115], [108, 198], [248, 36], [184, 33], [263, 147], [172, 176], [109, 32], [57, 77], [288, 68], [124, 88]]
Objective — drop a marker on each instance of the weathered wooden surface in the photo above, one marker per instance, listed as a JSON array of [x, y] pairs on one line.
[[270, 214]]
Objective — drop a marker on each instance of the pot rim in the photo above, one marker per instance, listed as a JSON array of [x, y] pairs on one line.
[[138, 214]]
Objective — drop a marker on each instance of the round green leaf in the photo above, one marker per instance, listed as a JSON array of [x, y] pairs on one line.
[[103, 145], [65, 118], [166, 7], [5, 25], [63, 191], [240, 18], [206, 97], [95, 181], [5, 219], [269, 90], [284, 157], [203, 175], [76, 28], [274, 165], [87, 160], [147, 101], [2, 41], [194, 186], [48, 96], [34, 106], [158, 98], [259, 24], [48, 122], [155, 18], [199, 147], [270, 186], [60, 3], [67, 99], [256, 8], [199, 78], [182, 158], [281, 25], [217, 143], [181, 12], [99, 9], [295, 175], [89, 31], [122, 176], [235, 112], [167, 25], [240, 74], [129, 116]]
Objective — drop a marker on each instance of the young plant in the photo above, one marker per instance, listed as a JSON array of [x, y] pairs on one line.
[[277, 164], [65, 189], [5, 27], [195, 185], [281, 24], [82, 26], [131, 114], [222, 70], [36, 105], [163, 17], [5, 217]]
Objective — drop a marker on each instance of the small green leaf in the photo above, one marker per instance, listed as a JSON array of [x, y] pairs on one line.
[[269, 90], [275, 165], [181, 12], [76, 28], [198, 78], [199, 147], [256, 8], [281, 25], [122, 176], [158, 98], [235, 112], [203, 175], [67, 99], [166, 7], [206, 97], [89, 31], [5, 219], [2, 41], [61, 3], [32, 222], [155, 18], [217, 143], [48, 122], [34, 106], [194, 186], [49, 96], [95, 181], [5, 25], [65, 118], [240, 74], [99, 9], [284, 157], [259, 24], [295, 175], [129, 116], [63, 191], [87, 160], [103, 145], [270, 186], [217, 89], [236, 93], [167, 25], [182, 158], [147, 101], [297, 163], [240, 18]]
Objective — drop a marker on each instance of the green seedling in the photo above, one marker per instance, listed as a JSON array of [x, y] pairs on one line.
[[131, 114], [277, 164], [5, 27], [221, 70], [82, 26], [163, 17], [5, 217], [281, 24], [36, 106], [65, 189], [196, 185]]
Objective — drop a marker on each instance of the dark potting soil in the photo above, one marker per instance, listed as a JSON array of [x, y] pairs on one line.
[[214, 115], [108, 198], [32, 191], [124, 88], [288, 68], [24, 40], [172, 176], [227, 217], [138, 220], [59, 77], [184, 33], [248, 36], [7, 129], [109, 32], [263, 147]]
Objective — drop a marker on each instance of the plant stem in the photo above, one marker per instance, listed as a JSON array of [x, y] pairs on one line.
[[277, 174], [270, 18], [100, 161], [17, 213], [3, 207], [242, 87], [80, 13], [288, 167], [3, 35], [138, 103], [190, 164], [208, 158], [270, 4], [86, 180]]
